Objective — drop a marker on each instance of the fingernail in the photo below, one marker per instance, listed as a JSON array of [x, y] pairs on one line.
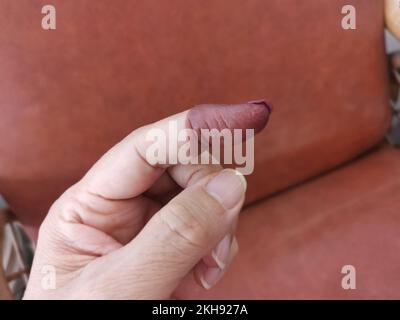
[[210, 277], [221, 252], [264, 103], [228, 187]]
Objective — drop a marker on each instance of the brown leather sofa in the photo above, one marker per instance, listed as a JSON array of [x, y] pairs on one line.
[[325, 189]]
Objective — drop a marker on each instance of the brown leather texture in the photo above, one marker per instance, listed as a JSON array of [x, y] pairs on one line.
[[295, 244], [69, 94]]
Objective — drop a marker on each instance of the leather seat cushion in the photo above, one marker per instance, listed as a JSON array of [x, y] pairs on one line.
[[68, 95], [294, 245]]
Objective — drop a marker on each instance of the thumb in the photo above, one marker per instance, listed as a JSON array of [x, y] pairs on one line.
[[180, 234]]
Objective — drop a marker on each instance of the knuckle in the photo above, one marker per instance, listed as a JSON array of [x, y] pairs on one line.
[[68, 208], [64, 209], [182, 222], [72, 205]]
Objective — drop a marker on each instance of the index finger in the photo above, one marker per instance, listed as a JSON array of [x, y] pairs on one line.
[[126, 171]]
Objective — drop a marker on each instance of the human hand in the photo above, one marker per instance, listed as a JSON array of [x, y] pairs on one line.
[[134, 230], [392, 16]]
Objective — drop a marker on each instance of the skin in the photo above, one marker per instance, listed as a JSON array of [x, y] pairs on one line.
[[110, 236], [253, 114], [392, 16]]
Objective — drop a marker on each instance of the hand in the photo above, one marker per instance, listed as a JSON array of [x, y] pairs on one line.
[[131, 230], [392, 16]]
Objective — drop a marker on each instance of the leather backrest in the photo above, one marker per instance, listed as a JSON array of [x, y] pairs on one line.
[[69, 94]]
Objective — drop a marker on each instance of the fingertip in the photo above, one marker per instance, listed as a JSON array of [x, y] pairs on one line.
[[251, 115]]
